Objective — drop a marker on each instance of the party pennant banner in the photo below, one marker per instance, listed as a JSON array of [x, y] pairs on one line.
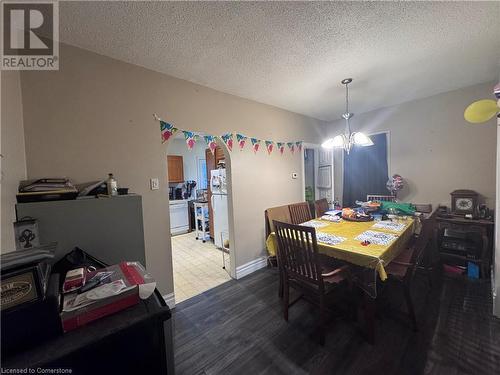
[[299, 146], [281, 147], [167, 131], [211, 143], [228, 140], [255, 144], [269, 146], [190, 138], [241, 139]]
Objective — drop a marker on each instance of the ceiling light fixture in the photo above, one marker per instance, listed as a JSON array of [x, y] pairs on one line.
[[348, 139]]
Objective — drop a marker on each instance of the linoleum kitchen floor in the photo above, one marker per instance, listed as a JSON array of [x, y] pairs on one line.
[[197, 266]]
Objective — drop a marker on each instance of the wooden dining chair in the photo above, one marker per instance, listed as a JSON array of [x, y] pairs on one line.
[[303, 271], [425, 208], [320, 207], [402, 269], [300, 212], [280, 213]]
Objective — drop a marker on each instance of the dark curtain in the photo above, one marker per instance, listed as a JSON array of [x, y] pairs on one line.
[[365, 171]]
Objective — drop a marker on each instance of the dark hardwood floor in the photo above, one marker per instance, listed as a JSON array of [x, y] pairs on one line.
[[238, 328]]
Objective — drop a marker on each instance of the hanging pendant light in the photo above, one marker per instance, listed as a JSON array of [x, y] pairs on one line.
[[348, 139]]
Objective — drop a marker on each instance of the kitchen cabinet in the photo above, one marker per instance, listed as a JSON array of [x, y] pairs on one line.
[[175, 168], [219, 155]]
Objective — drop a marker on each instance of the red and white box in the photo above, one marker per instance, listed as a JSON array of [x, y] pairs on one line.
[[124, 285], [74, 279]]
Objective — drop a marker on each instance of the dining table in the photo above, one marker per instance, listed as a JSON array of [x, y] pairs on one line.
[[368, 245]]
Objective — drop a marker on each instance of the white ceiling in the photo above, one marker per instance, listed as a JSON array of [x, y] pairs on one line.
[[294, 54]]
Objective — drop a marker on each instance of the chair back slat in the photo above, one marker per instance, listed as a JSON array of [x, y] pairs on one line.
[[380, 198], [425, 208], [298, 252], [321, 206], [300, 212]]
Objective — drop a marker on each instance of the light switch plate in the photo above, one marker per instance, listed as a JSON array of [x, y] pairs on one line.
[[154, 183], [295, 175]]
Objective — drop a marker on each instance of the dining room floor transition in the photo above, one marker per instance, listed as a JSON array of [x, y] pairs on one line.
[[238, 328]]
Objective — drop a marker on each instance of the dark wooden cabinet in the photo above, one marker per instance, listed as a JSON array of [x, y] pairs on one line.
[[212, 160], [175, 168], [461, 240]]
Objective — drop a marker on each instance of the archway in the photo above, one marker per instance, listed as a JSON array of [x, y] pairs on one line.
[[195, 267]]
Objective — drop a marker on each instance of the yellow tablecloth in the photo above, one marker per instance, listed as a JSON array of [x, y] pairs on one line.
[[372, 256]]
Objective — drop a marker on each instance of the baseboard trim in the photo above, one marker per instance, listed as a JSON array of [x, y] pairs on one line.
[[169, 300], [252, 266]]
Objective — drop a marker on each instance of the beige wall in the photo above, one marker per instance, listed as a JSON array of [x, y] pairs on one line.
[[432, 146], [94, 116], [13, 160], [496, 255]]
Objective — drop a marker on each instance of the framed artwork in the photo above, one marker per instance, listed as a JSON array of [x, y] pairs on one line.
[[26, 234]]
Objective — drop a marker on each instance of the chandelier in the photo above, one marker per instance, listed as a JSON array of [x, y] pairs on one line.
[[348, 139]]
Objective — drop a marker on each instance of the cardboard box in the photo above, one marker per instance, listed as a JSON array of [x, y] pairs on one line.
[[126, 283]]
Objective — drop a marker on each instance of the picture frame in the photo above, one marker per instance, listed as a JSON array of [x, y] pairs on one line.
[[26, 233]]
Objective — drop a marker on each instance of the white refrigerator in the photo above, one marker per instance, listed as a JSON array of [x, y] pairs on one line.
[[219, 205]]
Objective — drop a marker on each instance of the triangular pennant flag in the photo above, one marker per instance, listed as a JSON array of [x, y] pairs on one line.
[[281, 147], [269, 146], [228, 140], [291, 146], [167, 131], [211, 143], [241, 139], [190, 138], [255, 144], [299, 146]]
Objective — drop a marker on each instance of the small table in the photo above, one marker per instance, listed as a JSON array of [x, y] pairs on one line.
[[350, 250], [137, 340]]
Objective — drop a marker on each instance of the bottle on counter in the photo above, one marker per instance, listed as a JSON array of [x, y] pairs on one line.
[[112, 185]]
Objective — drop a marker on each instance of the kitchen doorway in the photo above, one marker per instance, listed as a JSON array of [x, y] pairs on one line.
[[199, 217], [318, 173]]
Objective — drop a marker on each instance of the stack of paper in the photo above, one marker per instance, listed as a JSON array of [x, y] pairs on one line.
[[329, 239], [330, 218], [389, 225], [377, 238], [314, 224]]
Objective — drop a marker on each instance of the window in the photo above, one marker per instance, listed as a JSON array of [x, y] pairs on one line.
[[202, 174], [366, 171]]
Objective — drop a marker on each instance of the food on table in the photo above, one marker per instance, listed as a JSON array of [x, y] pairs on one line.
[[355, 215], [369, 206]]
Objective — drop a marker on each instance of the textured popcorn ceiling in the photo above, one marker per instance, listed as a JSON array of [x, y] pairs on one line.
[[293, 55]]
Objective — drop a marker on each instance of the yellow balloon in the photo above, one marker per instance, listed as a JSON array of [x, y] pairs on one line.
[[481, 111]]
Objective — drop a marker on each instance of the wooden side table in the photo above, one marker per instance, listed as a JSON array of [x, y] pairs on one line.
[[201, 220]]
